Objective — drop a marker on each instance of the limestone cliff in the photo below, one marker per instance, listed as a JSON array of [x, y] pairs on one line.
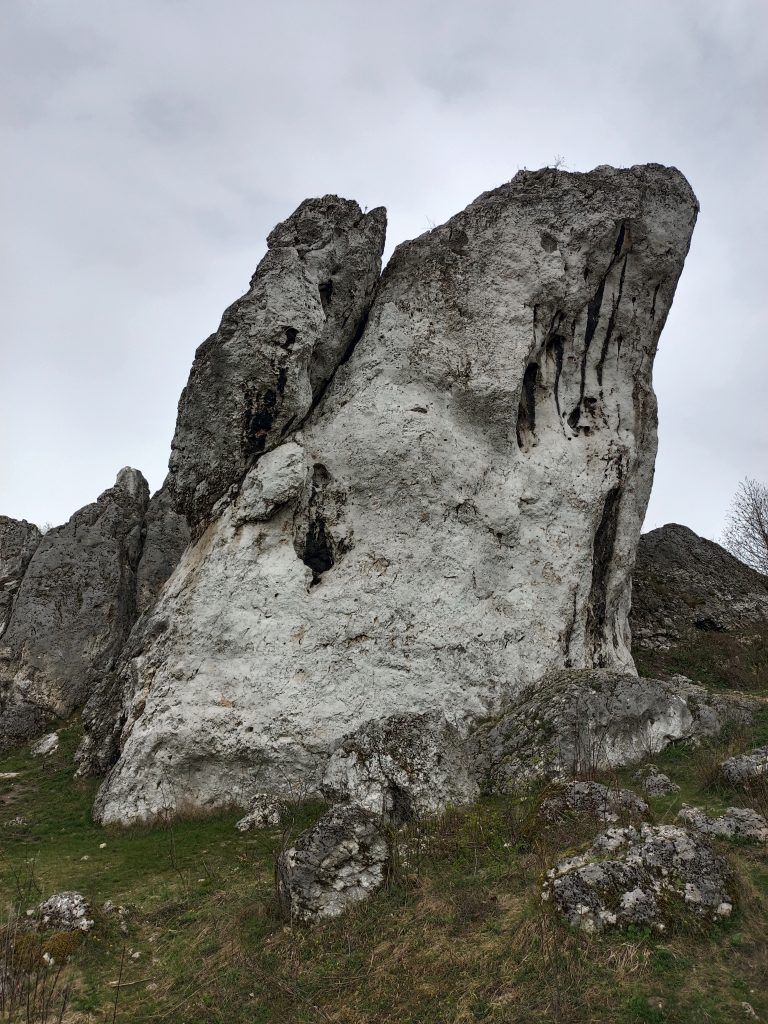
[[457, 515]]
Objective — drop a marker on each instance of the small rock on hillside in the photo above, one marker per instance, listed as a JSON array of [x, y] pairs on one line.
[[735, 823], [638, 877], [592, 798]]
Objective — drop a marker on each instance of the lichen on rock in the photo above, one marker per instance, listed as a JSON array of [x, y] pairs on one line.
[[340, 861], [634, 877]]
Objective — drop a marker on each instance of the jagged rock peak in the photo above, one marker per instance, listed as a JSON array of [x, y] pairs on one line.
[[458, 514], [276, 348]]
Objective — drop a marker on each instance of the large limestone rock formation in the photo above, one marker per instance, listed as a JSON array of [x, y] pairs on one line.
[[276, 348], [18, 542], [457, 516], [73, 610]]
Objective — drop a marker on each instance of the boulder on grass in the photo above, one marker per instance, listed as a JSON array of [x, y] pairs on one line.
[[641, 878], [340, 861]]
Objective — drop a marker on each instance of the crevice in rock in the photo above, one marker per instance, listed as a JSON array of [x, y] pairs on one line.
[[526, 414], [314, 543], [594, 308], [611, 325], [602, 556], [398, 805], [555, 349], [346, 356], [326, 293], [259, 415]]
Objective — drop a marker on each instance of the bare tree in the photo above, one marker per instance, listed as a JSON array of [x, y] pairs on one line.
[[746, 528]]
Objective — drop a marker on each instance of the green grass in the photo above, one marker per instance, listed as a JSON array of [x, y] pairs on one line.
[[459, 935]]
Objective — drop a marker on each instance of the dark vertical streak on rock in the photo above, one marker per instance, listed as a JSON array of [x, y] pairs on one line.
[[611, 325], [602, 555]]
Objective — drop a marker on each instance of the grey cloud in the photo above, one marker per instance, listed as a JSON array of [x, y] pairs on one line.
[[154, 145]]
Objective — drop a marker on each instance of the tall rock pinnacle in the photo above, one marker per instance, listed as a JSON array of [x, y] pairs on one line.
[[457, 515]]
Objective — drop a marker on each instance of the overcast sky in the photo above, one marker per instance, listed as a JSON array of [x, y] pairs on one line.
[[150, 145]]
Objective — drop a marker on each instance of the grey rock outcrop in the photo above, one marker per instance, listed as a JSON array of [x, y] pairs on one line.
[[457, 516], [734, 823], [684, 584], [636, 877], [605, 803], [276, 348], [340, 861], [576, 722], [653, 782], [18, 542], [402, 767], [746, 770], [166, 535], [73, 610]]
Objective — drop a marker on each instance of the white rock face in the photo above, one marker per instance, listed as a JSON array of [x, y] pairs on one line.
[[653, 782], [746, 770], [458, 516], [265, 812], [46, 745], [64, 912], [574, 722]]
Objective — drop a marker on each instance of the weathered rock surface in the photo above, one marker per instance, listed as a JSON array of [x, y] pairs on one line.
[[632, 877], [575, 722], [693, 602], [276, 348], [46, 745], [457, 516], [653, 782], [340, 861], [64, 912], [265, 811], [18, 542], [166, 535], [73, 610], [402, 767], [607, 804], [735, 823], [746, 770]]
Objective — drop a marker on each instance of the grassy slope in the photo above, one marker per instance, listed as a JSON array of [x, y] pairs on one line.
[[459, 935]]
